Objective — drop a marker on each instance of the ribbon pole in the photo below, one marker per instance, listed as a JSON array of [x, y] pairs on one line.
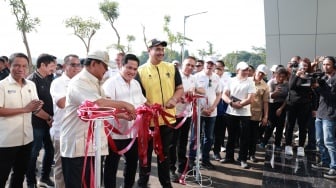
[[198, 142], [97, 144]]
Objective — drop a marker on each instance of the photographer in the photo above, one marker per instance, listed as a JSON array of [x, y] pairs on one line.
[[298, 105], [325, 123]]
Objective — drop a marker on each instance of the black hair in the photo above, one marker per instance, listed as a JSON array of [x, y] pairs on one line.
[[2, 60], [45, 58], [251, 67], [332, 59], [221, 62], [200, 61], [82, 61], [5, 58], [130, 57], [281, 70], [15, 55]]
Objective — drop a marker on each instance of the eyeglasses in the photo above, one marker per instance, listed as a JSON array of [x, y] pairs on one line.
[[198, 65], [209, 84], [75, 65]]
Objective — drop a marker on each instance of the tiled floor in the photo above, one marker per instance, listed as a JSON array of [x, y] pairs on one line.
[[273, 169]]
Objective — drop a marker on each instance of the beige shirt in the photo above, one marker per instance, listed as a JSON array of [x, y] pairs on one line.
[[261, 96], [16, 130], [84, 86]]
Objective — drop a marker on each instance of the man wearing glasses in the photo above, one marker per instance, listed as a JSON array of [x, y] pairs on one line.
[[58, 90], [86, 85], [211, 82]]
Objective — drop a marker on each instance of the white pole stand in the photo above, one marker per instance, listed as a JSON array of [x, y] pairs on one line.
[[97, 143], [194, 177]]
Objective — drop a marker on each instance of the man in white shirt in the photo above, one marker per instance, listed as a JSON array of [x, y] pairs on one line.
[[123, 87], [58, 90], [211, 83], [85, 86], [238, 94], [18, 99], [178, 147]]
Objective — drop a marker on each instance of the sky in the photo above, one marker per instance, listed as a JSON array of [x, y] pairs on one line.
[[230, 25]]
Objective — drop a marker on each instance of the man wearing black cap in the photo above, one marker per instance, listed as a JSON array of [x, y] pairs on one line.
[[162, 84]]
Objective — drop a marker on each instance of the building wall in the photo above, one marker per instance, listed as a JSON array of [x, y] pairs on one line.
[[299, 27]]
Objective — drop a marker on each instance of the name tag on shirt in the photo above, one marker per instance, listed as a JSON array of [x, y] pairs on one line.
[[11, 91]]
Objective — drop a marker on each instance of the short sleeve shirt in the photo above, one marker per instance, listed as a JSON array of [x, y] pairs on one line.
[[240, 89], [16, 130]]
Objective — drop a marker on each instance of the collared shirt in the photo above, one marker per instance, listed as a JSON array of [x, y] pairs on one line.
[[212, 86], [240, 89], [58, 90], [159, 83], [16, 130], [84, 86], [261, 96], [188, 83], [117, 89], [43, 92]]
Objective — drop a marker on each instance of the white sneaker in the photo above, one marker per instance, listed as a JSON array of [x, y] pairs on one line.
[[296, 133], [300, 152], [288, 150]]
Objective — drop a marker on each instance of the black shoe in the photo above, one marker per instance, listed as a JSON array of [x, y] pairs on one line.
[[217, 157], [232, 161], [208, 165], [320, 166], [253, 159], [46, 182]]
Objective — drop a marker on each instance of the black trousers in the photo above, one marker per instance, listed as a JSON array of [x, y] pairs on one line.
[[238, 126], [275, 121], [219, 132], [72, 171], [252, 137], [16, 158], [163, 167], [112, 161], [178, 146], [302, 113]]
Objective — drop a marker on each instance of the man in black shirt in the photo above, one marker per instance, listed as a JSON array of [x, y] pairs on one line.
[[42, 121]]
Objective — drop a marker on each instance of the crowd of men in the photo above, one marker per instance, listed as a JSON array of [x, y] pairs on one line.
[[40, 110]]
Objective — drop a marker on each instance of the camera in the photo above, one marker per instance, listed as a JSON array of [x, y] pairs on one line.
[[317, 77]]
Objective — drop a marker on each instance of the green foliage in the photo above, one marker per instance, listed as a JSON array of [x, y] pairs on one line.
[[172, 40], [25, 23], [83, 29], [110, 11], [252, 58]]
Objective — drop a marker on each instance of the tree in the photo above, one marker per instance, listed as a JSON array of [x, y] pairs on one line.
[[172, 38], [110, 11], [254, 59], [25, 23], [83, 29], [130, 38]]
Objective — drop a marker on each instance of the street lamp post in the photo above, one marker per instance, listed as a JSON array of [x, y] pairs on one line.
[[184, 24]]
